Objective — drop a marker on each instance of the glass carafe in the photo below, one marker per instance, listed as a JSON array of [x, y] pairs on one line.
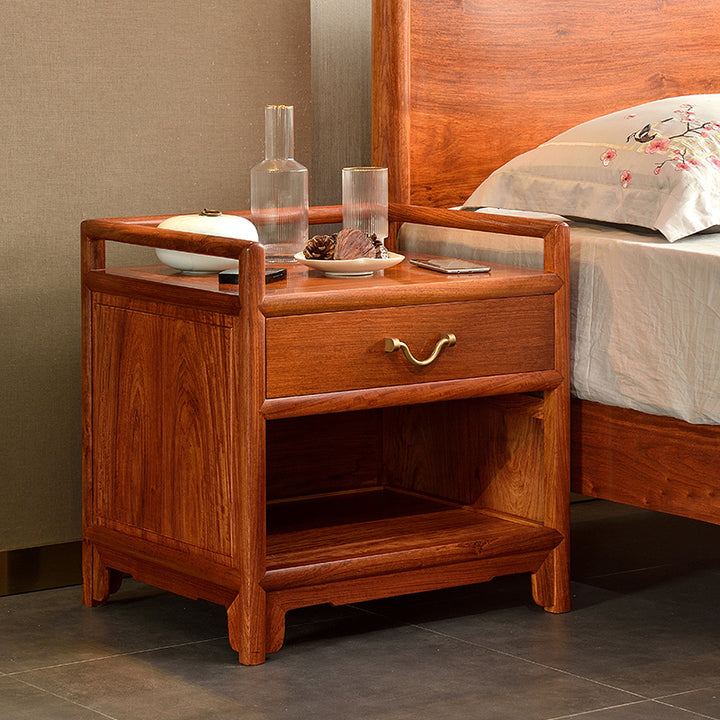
[[279, 190]]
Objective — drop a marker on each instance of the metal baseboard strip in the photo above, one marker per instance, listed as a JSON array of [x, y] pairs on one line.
[[40, 568]]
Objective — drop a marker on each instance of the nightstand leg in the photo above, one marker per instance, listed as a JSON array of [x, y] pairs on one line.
[[246, 627], [99, 581], [551, 583]]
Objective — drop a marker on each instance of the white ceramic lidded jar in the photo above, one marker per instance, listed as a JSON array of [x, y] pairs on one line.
[[208, 222], [279, 190]]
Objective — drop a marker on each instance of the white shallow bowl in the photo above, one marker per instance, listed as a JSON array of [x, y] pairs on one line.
[[350, 268], [231, 226]]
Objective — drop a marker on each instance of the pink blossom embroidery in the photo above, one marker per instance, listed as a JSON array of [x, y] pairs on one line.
[[625, 178], [607, 156], [679, 145], [687, 112], [657, 145]]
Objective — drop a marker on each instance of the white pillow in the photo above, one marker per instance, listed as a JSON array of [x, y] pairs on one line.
[[656, 165]]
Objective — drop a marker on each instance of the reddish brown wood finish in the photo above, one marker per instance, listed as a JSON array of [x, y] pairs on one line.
[[652, 462], [513, 334], [462, 86], [233, 451]]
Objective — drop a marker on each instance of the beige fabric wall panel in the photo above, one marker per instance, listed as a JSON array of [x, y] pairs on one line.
[[113, 108], [341, 72]]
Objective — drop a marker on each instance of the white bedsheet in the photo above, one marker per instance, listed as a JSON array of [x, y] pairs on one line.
[[645, 313]]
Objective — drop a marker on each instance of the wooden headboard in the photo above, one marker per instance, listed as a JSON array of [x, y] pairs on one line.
[[462, 86]]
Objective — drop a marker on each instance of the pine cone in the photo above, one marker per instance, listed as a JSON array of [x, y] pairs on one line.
[[380, 250], [320, 247]]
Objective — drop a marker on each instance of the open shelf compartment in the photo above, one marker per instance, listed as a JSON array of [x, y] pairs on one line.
[[379, 531]]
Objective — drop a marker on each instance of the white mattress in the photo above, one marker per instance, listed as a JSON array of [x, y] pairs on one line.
[[645, 312]]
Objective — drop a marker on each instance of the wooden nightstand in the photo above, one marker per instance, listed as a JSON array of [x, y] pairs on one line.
[[266, 449]]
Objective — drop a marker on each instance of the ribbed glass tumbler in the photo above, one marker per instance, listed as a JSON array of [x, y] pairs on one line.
[[365, 200]]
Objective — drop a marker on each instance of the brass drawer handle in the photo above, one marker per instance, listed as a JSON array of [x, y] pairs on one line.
[[392, 344]]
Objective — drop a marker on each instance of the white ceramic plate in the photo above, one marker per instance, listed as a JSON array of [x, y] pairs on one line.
[[349, 268]]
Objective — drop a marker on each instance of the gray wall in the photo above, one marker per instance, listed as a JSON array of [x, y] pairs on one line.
[[128, 108], [341, 93]]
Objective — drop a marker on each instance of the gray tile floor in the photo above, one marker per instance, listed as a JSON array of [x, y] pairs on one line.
[[642, 642]]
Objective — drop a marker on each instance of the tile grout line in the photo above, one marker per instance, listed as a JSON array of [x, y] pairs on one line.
[[677, 707], [623, 573], [642, 698], [660, 698], [16, 673], [691, 713], [600, 709], [100, 713], [535, 662], [510, 655]]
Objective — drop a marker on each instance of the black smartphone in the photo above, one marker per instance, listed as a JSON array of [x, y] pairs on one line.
[[273, 274], [230, 277]]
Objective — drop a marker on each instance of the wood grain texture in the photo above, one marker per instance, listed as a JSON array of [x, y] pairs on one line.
[[511, 76], [391, 95], [548, 583], [378, 397], [246, 615], [649, 461], [399, 582], [494, 337], [480, 452], [96, 586], [198, 482], [163, 426], [465, 85], [354, 550]]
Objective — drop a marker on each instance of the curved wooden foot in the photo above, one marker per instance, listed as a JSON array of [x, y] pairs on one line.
[[275, 627], [246, 629], [551, 583], [99, 581]]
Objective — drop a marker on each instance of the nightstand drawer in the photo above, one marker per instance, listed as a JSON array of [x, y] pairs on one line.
[[331, 352]]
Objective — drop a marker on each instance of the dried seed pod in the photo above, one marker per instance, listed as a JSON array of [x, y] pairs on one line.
[[352, 243]]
